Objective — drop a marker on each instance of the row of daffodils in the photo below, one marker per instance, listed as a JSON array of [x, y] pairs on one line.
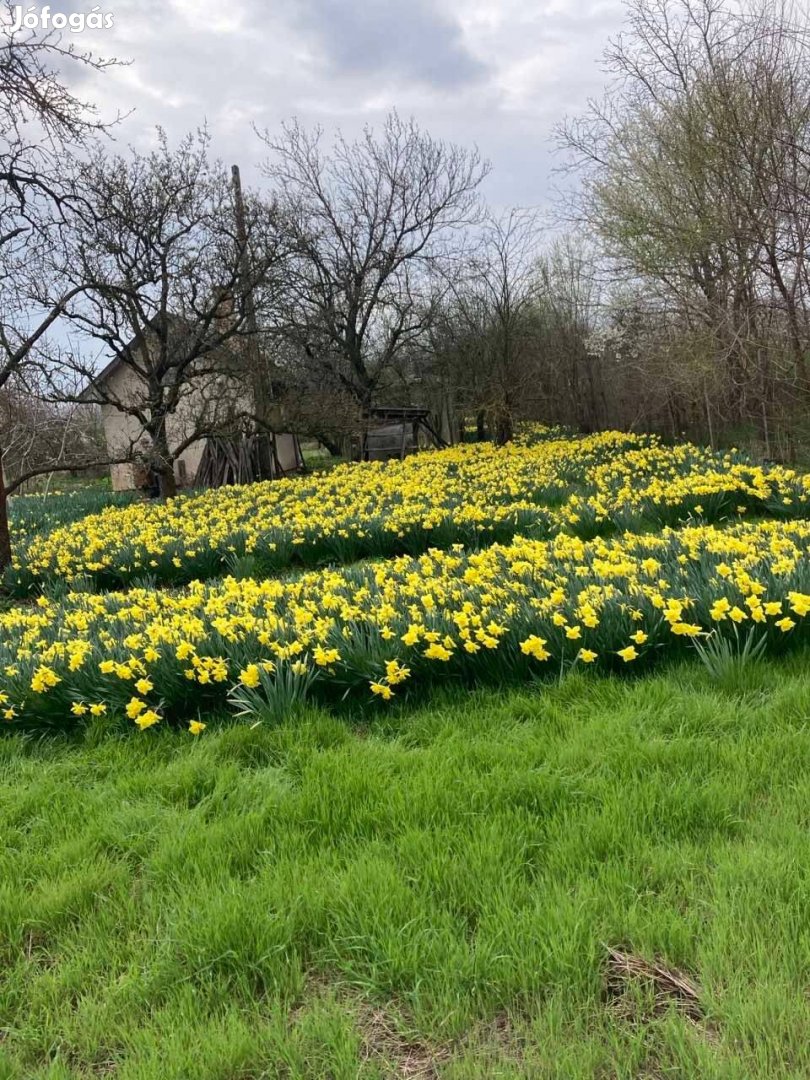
[[475, 495], [41, 512], [380, 631]]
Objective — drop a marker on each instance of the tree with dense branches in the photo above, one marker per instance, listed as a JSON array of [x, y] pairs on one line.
[[42, 122]]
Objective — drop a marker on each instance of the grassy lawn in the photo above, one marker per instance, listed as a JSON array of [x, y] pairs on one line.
[[433, 895]]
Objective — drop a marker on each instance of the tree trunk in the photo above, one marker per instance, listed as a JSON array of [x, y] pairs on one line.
[[167, 485], [5, 537], [334, 448], [504, 429], [162, 461], [481, 426]]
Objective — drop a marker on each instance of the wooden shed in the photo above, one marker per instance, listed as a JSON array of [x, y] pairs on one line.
[[393, 431]]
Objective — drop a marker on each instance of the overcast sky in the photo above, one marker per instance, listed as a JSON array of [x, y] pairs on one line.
[[497, 73]]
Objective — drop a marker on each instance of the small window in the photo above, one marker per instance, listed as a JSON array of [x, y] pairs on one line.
[[181, 471]]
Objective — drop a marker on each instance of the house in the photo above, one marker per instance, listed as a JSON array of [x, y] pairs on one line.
[[209, 407]]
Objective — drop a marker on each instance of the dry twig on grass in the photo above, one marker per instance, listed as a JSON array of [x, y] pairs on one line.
[[670, 987]]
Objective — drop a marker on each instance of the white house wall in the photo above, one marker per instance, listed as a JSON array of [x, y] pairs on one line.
[[213, 400]]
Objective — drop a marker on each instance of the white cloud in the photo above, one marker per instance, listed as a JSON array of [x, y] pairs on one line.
[[495, 72]]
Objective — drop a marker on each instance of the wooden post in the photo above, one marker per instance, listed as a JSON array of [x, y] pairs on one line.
[[5, 536], [765, 430], [708, 414], [262, 395]]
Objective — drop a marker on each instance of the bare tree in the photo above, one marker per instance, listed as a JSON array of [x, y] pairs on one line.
[[511, 338], [41, 122], [572, 384], [167, 277], [364, 223], [41, 437], [488, 330]]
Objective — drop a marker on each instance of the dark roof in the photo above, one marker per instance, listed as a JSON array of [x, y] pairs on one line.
[[105, 373], [118, 359]]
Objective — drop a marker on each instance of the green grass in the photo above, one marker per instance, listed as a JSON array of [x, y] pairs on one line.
[[324, 899]]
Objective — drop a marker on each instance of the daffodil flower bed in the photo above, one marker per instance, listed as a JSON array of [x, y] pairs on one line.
[[379, 630], [470, 494], [39, 513], [656, 484]]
